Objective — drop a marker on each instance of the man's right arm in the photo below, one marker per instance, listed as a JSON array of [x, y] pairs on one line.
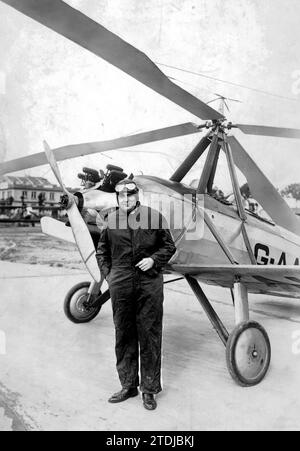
[[103, 254]]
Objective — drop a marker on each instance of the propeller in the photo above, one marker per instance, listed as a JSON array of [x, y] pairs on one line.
[[79, 228], [73, 151], [74, 25], [262, 189], [277, 132]]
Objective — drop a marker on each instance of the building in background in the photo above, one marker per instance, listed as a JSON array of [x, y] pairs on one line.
[[33, 191]]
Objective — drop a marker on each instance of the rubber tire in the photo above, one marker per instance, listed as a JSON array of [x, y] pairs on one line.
[[230, 354], [67, 305]]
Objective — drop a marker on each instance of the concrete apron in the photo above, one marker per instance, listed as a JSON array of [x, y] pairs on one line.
[[57, 376]]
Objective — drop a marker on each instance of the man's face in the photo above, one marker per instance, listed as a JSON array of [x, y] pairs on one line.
[[127, 202]]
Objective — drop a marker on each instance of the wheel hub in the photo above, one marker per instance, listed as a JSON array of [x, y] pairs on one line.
[[82, 304], [251, 353]]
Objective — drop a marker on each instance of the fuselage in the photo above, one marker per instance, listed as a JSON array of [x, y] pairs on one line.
[[196, 245]]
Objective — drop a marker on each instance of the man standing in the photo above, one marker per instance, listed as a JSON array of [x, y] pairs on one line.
[[133, 249]]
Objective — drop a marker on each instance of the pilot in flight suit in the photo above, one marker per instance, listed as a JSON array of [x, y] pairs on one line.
[[133, 249]]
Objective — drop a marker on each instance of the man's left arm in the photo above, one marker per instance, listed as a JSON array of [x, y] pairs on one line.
[[166, 249]]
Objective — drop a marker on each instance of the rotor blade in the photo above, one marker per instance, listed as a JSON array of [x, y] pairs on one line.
[[262, 189], [79, 150], [71, 23], [228, 98], [234, 100], [80, 230], [269, 131]]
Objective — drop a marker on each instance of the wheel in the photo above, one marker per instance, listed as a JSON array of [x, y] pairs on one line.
[[75, 307], [248, 354]]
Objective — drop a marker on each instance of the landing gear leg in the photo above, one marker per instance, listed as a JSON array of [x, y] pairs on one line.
[[248, 350], [207, 307]]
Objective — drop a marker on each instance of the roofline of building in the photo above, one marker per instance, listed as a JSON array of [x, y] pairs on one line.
[[31, 188]]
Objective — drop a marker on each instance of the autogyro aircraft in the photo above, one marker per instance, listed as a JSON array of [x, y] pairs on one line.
[[236, 249]]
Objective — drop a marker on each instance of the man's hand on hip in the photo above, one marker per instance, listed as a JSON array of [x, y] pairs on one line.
[[145, 264]]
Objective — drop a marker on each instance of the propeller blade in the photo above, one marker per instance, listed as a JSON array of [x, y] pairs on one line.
[[53, 163], [57, 229], [79, 150], [80, 230], [84, 242], [262, 189], [269, 131], [72, 24]]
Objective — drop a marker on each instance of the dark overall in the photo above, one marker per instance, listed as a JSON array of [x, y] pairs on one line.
[[137, 297]]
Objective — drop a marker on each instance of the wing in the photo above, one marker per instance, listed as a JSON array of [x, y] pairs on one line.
[[80, 150], [72, 24], [273, 280]]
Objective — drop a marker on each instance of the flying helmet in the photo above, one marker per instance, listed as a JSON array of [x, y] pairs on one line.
[[127, 186]]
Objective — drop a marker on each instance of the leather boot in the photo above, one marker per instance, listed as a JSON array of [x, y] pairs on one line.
[[149, 401], [124, 394]]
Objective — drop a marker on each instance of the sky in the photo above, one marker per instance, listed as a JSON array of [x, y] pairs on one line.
[[53, 89]]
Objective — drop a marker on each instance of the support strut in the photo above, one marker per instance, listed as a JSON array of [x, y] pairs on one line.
[[241, 304], [238, 198], [209, 164], [207, 307], [192, 159]]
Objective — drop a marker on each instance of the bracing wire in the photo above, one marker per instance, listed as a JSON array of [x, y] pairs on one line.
[[209, 77]]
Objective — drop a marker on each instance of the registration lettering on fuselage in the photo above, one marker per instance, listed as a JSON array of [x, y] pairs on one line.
[[264, 256]]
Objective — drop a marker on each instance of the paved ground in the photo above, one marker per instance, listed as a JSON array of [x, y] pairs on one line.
[[57, 376], [30, 245]]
